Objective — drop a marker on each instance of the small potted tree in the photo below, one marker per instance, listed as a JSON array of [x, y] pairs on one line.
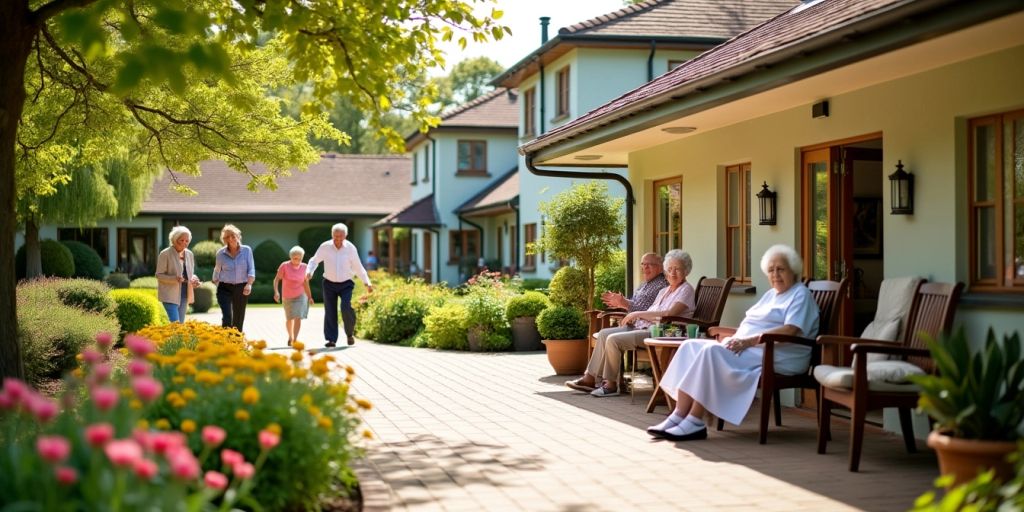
[[977, 400], [521, 312], [563, 329]]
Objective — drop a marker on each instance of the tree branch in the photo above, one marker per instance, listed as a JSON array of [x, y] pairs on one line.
[[71, 62]]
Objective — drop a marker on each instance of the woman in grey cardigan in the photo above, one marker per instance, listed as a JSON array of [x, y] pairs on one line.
[[175, 274]]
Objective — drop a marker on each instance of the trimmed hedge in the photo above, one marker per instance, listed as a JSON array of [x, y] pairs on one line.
[[206, 253], [269, 255], [57, 259], [569, 288], [87, 261], [535, 283], [446, 327], [85, 294], [561, 323], [137, 308], [311, 238], [204, 295], [117, 280], [527, 304], [147, 282]]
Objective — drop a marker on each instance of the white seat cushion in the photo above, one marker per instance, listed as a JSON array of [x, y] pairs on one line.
[[882, 376]]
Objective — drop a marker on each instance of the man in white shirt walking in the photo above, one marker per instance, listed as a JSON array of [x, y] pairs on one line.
[[341, 264]]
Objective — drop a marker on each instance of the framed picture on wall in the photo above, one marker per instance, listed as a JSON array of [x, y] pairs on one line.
[[867, 227]]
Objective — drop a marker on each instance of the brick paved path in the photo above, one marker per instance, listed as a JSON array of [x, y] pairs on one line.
[[466, 431]]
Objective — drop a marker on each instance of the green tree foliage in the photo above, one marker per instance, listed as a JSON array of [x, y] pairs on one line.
[[585, 226], [81, 81], [469, 79]]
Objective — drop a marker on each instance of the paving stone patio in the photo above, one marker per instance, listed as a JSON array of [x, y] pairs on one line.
[[468, 431]]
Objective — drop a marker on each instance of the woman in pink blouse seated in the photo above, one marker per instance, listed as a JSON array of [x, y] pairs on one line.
[[295, 291], [673, 300]]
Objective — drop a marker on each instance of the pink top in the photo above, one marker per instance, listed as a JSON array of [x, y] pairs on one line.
[[292, 279]]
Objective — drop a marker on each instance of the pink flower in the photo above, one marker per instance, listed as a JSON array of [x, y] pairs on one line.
[[105, 397], [15, 388], [42, 408], [104, 339], [53, 449], [168, 442], [101, 372], [138, 368], [231, 457], [243, 470], [215, 480], [269, 439], [213, 435], [147, 388], [7, 402], [145, 468], [183, 464], [99, 434], [138, 345], [91, 356], [66, 475], [123, 452]]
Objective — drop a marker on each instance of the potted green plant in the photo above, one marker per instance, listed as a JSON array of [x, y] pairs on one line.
[[521, 312], [487, 329], [975, 398], [563, 329], [984, 492]]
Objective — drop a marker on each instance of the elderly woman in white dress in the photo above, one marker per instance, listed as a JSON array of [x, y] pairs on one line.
[[722, 376]]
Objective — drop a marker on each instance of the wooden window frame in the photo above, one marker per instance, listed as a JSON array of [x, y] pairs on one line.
[[742, 171], [530, 112], [1005, 280], [561, 94], [460, 239], [657, 204], [473, 168], [529, 235]]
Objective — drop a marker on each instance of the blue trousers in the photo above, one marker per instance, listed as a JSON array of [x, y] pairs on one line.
[[332, 291], [176, 312]]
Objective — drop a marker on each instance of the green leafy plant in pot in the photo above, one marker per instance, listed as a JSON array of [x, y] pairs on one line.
[[563, 329], [521, 312], [976, 398]]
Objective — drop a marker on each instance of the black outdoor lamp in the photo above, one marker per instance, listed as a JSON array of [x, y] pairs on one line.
[[902, 184], [766, 201]]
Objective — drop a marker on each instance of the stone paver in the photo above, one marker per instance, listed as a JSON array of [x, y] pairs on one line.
[[466, 431]]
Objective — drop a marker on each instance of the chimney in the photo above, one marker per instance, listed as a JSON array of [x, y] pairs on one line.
[[544, 20]]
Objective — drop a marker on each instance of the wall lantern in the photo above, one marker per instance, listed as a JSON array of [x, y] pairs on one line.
[[766, 200], [902, 183]]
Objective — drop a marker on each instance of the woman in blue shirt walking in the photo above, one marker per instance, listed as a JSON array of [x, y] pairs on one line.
[[233, 273]]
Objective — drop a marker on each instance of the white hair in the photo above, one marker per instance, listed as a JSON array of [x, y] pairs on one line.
[[682, 257], [795, 262], [339, 227], [296, 250], [177, 232]]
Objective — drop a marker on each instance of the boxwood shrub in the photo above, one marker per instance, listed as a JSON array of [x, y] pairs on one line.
[[85, 294], [87, 261], [569, 288], [269, 255], [147, 282], [561, 323], [136, 309], [446, 326], [118, 280], [206, 253], [204, 295], [527, 304], [56, 258]]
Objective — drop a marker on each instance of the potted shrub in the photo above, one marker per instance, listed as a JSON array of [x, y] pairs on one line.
[[485, 321], [975, 399], [521, 312], [563, 329]]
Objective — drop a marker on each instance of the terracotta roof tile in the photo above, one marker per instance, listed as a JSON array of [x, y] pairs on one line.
[[501, 192], [495, 109], [420, 213], [337, 184], [675, 18]]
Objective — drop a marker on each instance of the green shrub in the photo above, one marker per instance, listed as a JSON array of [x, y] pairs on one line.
[[87, 261], [610, 277], [527, 304], [446, 326], [136, 309], [206, 253], [56, 258], [561, 323], [262, 293], [496, 342], [486, 311], [269, 255], [400, 317], [535, 283], [85, 294], [50, 332], [147, 282], [117, 280], [311, 238], [203, 297], [410, 298], [569, 288], [204, 273]]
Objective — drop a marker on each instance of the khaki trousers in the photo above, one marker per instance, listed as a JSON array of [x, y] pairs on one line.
[[606, 360]]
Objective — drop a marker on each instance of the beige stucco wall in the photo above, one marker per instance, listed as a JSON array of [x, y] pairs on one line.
[[922, 122]]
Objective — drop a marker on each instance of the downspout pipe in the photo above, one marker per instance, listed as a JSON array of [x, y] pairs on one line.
[[650, 60], [519, 241], [630, 200], [433, 165], [434, 276]]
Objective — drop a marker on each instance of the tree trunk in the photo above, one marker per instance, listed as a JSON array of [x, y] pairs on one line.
[[33, 256], [15, 44]]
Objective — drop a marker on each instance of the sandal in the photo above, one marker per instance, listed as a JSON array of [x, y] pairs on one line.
[[578, 385]]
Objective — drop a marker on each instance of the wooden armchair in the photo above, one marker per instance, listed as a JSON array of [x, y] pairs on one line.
[[869, 385], [829, 295]]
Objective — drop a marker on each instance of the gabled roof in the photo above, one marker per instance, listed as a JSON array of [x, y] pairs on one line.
[[337, 184], [496, 110], [422, 213], [782, 41], [498, 197], [669, 24]]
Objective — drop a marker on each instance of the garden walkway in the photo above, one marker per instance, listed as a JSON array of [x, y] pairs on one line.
[[466, 431]]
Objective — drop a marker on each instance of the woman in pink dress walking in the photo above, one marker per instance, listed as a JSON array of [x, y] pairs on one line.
[[294, 292]]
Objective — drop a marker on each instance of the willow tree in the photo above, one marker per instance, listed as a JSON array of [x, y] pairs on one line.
[[179, 82], [584, 226]]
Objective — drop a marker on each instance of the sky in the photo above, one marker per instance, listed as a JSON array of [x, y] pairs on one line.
[[522, 16]]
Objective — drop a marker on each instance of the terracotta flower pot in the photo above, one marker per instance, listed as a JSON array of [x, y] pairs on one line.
[[965, 458], [567, 357], [524, 334]]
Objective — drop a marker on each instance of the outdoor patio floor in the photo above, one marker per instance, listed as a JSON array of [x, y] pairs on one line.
[[469, 431]]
